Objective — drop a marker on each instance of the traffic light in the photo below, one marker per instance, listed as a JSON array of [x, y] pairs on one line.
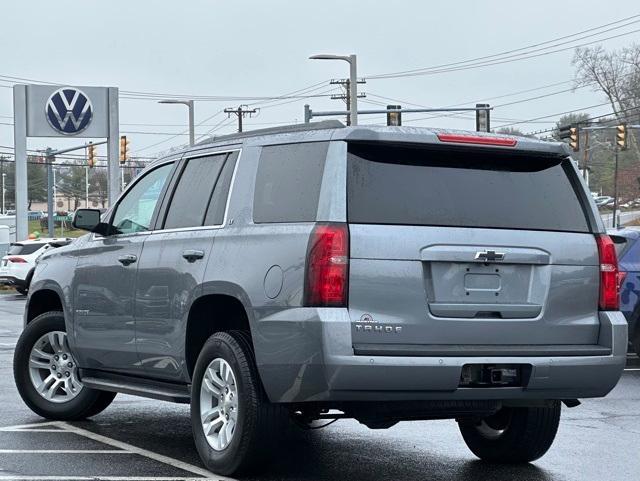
[[394, 118], [124, 149], [574, 139], [483, 119], [91, 157], [621, 136]]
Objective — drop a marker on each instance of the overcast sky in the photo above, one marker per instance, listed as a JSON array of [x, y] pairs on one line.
[[260, 48]]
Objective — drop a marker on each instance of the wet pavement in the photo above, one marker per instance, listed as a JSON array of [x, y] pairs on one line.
[[137, 439]]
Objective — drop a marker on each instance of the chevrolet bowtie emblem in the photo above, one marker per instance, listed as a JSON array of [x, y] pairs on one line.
[[489, 256]]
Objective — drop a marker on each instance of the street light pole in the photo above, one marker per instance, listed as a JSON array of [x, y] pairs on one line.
[[353, 87], [353, 81], [3, 177], [86, 186], [189, 104]]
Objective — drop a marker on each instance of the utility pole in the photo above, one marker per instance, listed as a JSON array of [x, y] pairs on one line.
[[86, 178], [3, 177], [346, 96], [241, 111], [585, 159], [615, 220], [50, 187]]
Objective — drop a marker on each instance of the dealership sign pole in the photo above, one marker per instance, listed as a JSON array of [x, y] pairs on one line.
[[54, 111]]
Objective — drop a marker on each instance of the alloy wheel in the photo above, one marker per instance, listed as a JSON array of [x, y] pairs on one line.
[[52, 368], [219, 404]]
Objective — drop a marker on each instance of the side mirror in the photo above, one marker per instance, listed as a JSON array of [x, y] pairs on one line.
[[89, 220]]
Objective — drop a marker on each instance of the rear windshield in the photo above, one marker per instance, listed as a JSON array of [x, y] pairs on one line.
[[390, 184], [26, 249]]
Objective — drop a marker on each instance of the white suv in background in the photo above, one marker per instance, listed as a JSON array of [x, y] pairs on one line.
[[16, 268]]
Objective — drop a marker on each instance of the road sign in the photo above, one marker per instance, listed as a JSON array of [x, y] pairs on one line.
[[68, 111], [54, 111]]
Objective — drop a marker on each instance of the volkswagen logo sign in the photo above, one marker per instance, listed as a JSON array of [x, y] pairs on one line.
[[69, 110]]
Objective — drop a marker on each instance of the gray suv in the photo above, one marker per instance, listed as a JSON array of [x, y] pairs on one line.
[[282, 277]]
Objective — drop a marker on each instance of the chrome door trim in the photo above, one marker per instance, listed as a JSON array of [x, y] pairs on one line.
[[228, 200]]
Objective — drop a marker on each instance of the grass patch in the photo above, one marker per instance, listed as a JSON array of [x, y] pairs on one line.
[[34, 226]]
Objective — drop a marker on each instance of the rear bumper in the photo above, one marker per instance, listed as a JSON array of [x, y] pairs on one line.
[[12, 281], [306, 354]]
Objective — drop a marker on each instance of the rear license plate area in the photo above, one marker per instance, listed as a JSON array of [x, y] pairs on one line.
[[494, 375]]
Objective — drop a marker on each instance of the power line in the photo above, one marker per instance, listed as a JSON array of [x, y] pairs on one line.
[[475, 62], [265, 104], [591, 118], [133, 94], [511, 60], [299, 94], [66, 164], [177, 135], [552, 115], [484, 99]]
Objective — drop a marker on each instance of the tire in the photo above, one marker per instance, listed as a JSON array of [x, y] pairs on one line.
[[256, 422], [62, 403], [513, 435]]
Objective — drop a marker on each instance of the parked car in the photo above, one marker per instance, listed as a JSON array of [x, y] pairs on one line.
[[320, 271], [16, 268], [628, 250], [604, 200], [35, 215]]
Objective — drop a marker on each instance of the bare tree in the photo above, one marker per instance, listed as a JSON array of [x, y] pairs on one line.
[[616, 74], [511, 131]]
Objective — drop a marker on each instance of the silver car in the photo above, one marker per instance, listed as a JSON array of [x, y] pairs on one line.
[[316, 272]]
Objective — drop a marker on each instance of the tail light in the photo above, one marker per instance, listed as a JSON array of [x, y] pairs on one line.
[[477, 139], [327, 270], [17, 260], [609, 278]]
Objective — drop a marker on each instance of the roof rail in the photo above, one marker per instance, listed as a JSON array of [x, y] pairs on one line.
[[325, 124]]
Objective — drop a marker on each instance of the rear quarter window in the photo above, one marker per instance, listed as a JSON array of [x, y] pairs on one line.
[[288, 182], [390, 184]]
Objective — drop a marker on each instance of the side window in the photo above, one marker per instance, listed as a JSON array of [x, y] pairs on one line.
[[192, 195], [135, 210], [218, 203], [288, 182]]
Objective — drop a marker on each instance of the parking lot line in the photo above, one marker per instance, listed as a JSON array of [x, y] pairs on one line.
[[96, 478], [121, 448], [63, 451], [141, 451], [632, 369], [33, 427]]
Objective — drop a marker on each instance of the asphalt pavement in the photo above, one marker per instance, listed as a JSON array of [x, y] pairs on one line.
[[137, 439]]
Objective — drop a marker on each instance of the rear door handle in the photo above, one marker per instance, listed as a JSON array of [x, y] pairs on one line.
[[192, 255], [127, 259]]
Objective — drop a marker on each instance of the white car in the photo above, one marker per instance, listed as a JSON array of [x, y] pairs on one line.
[[16, 268]]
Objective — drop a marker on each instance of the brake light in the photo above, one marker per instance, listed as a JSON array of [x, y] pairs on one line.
[[327, 270], [609, 278], [477, 139], [17, 260]]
